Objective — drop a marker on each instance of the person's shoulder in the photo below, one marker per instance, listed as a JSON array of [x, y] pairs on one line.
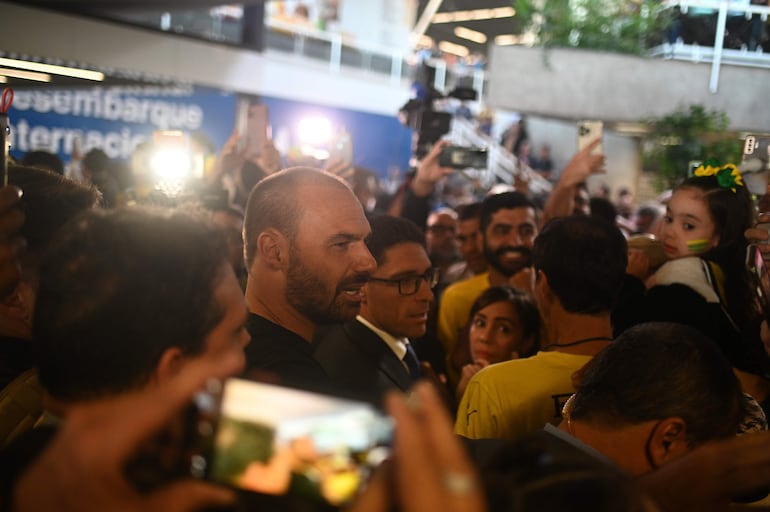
[[461, 288], [503, 372], [691, 272]]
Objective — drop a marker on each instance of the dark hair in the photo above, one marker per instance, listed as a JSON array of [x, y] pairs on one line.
[[469, 211], [43, 160], [96, 160], [49, 201], [585, 261], [542, 473], [117, 289], [661, 370], [523, 304], [732, 213], [603, 208], [504, 201], [273, 204], [388, 231]]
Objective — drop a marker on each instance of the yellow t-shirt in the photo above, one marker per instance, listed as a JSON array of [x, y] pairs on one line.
[[511, 399]]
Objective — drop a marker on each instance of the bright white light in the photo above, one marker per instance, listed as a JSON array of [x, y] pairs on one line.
[[25, 75], [425, 41], [475, 14], [471, 35], [54, 70], [171, 165], [454, 49], [315, 130], [505, 40]]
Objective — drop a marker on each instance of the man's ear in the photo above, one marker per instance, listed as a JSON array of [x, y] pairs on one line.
[[169, 364], [542, 287], [273, 249], [668, 441]]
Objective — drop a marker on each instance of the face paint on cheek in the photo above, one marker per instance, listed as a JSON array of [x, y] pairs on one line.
[[698, 246]]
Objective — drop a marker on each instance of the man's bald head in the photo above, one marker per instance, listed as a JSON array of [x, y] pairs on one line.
[[274, 203]]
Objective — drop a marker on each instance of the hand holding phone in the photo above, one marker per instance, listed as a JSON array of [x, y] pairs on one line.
[[458, 157], [589, 131], [275, 440]]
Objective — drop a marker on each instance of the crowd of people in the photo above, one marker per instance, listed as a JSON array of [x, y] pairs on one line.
[[557, 353]]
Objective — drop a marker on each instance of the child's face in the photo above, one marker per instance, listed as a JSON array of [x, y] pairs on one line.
[[687, 229], [495, 333]]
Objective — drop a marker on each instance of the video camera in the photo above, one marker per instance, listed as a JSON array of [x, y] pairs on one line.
[[420, 114]]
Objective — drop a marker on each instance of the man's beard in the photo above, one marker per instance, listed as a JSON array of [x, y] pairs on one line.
[[311, 296], [508, 267]]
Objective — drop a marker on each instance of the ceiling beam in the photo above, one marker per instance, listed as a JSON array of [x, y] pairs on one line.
[[422, 24]]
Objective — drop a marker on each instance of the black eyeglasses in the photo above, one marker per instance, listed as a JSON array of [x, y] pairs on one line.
[[411, 285]]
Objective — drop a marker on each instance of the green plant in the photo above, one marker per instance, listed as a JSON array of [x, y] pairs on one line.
[[689, 135], [625, 26]]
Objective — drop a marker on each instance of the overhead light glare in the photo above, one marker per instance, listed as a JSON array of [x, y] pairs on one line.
[[471, 35], [474, 14], [54, 70], [425, 41], [25, 75], [506, 40], [454, 49]]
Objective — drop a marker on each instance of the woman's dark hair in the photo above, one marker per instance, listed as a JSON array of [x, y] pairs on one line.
[[522, 303]]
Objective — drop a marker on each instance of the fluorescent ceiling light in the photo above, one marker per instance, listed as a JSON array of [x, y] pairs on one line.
[[454, 49], [54, 70], [506, 40], [425, 41], [474, 15], [25, 75], [471, 35]]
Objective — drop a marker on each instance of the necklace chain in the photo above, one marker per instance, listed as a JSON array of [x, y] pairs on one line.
[[578, 342]]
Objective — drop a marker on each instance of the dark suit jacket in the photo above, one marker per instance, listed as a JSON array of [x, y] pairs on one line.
[[359, 362]]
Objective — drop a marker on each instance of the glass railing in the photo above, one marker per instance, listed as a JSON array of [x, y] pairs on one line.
[[719, 32], [338, 50]]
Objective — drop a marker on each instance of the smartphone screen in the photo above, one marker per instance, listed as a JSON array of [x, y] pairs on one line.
[[760, 277], [274, 440], [253, 126], [463, 158], [589, 131]]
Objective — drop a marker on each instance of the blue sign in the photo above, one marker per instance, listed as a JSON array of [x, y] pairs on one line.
[[115, 119]]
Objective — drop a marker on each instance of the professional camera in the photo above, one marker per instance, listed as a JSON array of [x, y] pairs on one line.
[[420, 114]]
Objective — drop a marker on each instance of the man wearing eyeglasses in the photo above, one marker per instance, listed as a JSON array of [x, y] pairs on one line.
[[372, 354]]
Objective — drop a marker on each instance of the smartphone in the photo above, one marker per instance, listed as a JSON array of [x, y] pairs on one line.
[[760, 278], [274, 440], [756, 153], [589, 131], [459, 157], [253, 125]]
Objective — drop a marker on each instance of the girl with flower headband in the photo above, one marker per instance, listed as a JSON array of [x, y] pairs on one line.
[[705, 283]]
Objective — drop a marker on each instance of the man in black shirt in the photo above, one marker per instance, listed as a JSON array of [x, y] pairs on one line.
[[304, 234]]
